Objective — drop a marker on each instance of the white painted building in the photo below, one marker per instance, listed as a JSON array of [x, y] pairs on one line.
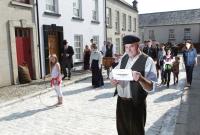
[[172, 26], [121, 19], [77, 21]]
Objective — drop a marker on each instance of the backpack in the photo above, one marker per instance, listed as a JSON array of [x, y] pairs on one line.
[[168, 67]]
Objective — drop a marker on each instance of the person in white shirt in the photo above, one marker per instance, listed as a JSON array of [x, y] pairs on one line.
[[95, 66], [131, 102]]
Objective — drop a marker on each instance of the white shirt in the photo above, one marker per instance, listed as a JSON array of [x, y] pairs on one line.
[[96, 55], [123, 87], [54, 72]]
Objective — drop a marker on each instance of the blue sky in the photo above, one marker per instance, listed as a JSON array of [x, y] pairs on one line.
[[150, 6]]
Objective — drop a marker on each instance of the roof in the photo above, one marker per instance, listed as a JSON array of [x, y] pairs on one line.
[[170, 18], [127, 4]]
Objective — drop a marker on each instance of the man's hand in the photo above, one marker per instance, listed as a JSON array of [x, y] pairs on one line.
[[114, 82], [136, 75], [145, 83]]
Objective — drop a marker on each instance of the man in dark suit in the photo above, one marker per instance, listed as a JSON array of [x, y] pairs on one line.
[[67, 60], [149, 50]]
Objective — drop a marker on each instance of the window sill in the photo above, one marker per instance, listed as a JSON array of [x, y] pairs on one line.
[[15, 3], [52, 14], [95, 22], [117, 33], [77, 19], [123, 29], [109, 27]]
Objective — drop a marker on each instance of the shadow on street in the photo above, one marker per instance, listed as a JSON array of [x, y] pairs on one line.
[[20, 115]]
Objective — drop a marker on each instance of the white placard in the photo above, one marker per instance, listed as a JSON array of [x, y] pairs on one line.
[[122, 74]]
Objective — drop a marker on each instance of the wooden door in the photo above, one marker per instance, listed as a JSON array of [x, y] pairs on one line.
[[23, 48], [53, 44]]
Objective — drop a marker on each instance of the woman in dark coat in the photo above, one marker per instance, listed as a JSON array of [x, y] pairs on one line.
[[95, 65], [87, 53], [190, 59]]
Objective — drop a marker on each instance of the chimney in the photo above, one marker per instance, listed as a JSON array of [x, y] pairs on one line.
[[135, 5]]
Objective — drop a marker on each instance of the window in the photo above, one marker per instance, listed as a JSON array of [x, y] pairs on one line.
[[77, 8], [78, 46], [95, 10], [129, 23], [171, 35], [117, 45], [51, 6], [117, 22], [108, 17], [22, 32], [151, 35], [96, 40], [124, 22], [23, 1], [187, 34], [134, 24]]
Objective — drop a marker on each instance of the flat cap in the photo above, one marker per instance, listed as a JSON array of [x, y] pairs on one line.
[[129, 39]]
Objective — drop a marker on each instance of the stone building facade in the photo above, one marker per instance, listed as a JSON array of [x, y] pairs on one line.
[[173, 26], [18, 40], [121, 20]]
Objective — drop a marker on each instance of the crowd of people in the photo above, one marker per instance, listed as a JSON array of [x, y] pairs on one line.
[[167, 61], [148, 63]]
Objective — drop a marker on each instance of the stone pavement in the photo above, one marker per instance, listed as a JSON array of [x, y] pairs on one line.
[[87, 111], [188, 120], [20, 92]]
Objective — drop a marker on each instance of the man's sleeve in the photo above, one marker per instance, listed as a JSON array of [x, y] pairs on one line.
[[151, 73], [114, 49]]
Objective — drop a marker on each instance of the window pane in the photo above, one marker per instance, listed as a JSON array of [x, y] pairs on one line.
[[96, 40], [117, 45], [117, 21], [78, 47], [124, 21], [51, 5], [76, 8]]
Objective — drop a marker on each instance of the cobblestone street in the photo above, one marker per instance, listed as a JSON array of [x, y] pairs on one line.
[[87, 111]]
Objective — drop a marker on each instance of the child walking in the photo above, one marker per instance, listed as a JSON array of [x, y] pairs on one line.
[[175, 69], [168, 61], [56, 79]]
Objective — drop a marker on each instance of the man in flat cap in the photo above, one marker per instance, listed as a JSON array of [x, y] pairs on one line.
[[131, 102]]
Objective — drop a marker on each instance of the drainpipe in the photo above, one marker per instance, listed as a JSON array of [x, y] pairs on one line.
[[38, 29], [105, 21]]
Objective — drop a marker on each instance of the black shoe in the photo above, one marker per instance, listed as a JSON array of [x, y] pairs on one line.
[[167, 85], [68, 79], [164, 82], [63, 77]]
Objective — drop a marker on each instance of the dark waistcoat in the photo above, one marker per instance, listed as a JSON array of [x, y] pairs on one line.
[[137, 92], [109, 52]]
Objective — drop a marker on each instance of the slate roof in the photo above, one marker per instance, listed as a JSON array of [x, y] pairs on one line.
[[127, 4], [170, 18]]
